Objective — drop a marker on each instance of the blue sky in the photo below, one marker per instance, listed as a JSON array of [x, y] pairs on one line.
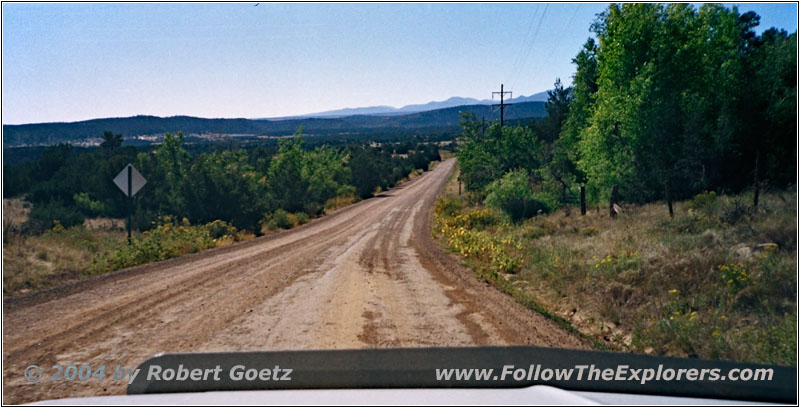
[[68, 62]]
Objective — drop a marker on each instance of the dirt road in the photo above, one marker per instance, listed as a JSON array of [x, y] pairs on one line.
[[369, 275]]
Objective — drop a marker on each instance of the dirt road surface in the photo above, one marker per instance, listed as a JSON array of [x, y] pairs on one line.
[[369, 275]]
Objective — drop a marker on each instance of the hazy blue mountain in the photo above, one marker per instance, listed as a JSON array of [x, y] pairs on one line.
[[389, 110], [537, 97], [449, 103], [371, 110]]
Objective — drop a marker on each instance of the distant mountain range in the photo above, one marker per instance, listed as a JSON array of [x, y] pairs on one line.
[[151, 128], [389, 110]]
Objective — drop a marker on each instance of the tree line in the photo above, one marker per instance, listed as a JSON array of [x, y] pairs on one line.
[[667, 101], [240, 186]]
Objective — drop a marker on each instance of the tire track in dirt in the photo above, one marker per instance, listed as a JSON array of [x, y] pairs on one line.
[[133, 308]]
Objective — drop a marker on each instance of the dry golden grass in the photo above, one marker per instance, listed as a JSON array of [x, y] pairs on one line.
[[451, 188], [106, 224], [36, 262], [58, 256], [15, 211]]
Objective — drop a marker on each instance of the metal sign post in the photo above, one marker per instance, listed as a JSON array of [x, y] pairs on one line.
[[130, 181]]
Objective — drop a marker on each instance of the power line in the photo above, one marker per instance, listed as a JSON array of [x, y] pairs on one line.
[[535, 35], [563, 33], [525, 40]]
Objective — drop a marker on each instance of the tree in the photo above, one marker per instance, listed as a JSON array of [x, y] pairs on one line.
[[617, 134], [284, 176], [300, 180], [484, 155], [777, 80], [557, 106], [224, 186], [768, 110], [584, 93], [111, 140], [559, 169], [512, 195], [672, 100], [325, 170], [166, 169], [367, 171]]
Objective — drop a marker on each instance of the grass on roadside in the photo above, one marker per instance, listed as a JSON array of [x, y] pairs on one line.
[[37, 262], [717, 281], [62, 255], [169, 239]]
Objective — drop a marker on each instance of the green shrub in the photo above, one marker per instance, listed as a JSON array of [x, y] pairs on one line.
[[735, 210], [779, 341], [301, 217], [735, 277], [312, 208], [218, 229], [293, 221], [336, 203], [480, 219], [513, 196], [464, 233], [707, 203], [549, 201], [345, 195], [447, 206], [280, 219], [57, 227], [167, 240], [88, 206], [346, 190], [43, 217]]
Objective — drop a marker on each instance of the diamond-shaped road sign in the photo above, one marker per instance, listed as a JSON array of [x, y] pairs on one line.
[[129, 174]]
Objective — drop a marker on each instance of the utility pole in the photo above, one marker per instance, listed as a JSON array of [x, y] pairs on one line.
[[502, 105]]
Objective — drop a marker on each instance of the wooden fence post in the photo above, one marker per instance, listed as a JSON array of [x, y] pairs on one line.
[[583, 200], [669, 199], [613, 200], [756, 185]]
